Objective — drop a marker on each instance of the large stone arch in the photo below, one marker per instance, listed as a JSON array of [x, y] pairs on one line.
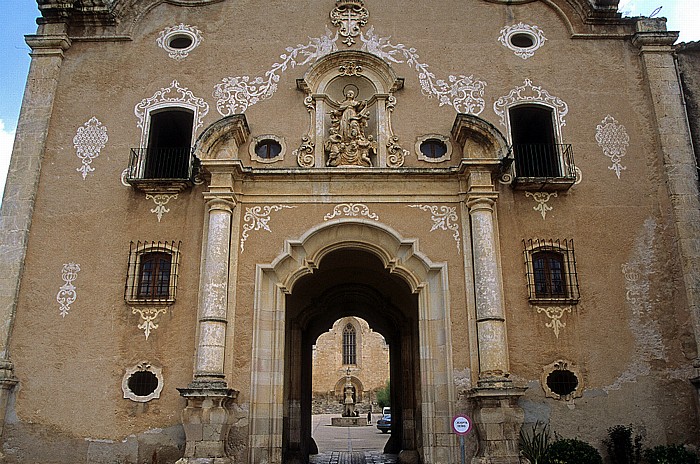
[[400, 257]]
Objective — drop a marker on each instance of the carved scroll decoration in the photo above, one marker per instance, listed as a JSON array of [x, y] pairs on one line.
[[444, 218], [542, 198], [66, 293], [351, 210], [349, 16], [257, 218]]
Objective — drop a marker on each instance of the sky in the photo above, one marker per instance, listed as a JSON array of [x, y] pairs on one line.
[[18, 19]]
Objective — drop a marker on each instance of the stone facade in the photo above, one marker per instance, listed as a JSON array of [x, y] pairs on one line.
[[370, 371], [200, 189]]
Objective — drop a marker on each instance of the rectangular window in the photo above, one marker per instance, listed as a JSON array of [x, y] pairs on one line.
[[152, 272], [551, 271]]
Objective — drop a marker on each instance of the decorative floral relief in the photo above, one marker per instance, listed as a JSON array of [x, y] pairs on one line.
[[444, 218], [236, 94], [554, 313], [352, 210], [160, 199], [529, 93], [256, 218], [349, 16], [172, 95], [613, 139], [541, 198], [88, 141], [168, 34], [66, 293], [533, 32], [148, 315]]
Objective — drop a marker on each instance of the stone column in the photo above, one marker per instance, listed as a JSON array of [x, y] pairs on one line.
[[22, 183], [655, 46], [498, 417], [209, 413]]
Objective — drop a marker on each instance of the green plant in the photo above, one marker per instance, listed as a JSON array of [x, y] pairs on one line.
[[571, 451], [384, 395], [620, 447], [533, 446], [671, 454]]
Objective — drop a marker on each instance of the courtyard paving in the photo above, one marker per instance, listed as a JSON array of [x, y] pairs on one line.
[[348, 445]]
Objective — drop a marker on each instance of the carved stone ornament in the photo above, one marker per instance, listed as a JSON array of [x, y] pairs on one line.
[[88, 141], [143, 366], [349, 16], [562, 365], [347, 144]]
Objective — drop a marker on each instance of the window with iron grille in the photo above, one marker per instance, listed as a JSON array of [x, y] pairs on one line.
[[551, 271], [349, 345], [152, 272]]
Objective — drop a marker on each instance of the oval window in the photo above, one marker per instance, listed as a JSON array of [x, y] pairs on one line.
[[180, 42], [433, 148], [522, 40], [268, 149]]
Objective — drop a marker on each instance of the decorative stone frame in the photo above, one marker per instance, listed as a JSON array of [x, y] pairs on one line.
[[140, 367], [254, 143], [362, 70], [182, 30], [562, 365], [422, 157], [134, 274], [401, 257]]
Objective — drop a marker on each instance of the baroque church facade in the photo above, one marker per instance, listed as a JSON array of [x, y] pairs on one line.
[[504, 190]]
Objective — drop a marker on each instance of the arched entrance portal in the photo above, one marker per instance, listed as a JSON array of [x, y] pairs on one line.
[[351, 267], [351, 282]]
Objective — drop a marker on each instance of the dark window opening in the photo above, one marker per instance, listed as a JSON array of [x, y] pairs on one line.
[[154, 276], [562, 382], [180, 42], [433, 148], [143, 383], [268, 149], [349, 345], [534, 142], [522, 40], [549, 275], [169, 144]]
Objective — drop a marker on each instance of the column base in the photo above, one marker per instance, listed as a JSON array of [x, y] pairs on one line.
[[207, 419], [498, 419]]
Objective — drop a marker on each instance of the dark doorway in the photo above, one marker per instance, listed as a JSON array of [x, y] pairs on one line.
[[351, 282], [169, 144], [534, 141]]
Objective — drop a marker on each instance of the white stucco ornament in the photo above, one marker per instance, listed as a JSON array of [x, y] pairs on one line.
[[528, 93], [67, 294], [542, 198], [88, 141], [612, 137], [351, 210], [174, 95], [171, 37], [444, 218], [257, 218], [523, 39]]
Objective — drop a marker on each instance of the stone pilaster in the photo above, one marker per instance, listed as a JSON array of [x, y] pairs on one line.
[[656, 51], [22, 183]]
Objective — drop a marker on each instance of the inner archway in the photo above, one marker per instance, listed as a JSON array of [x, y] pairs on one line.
[[408, 287], [351, 282]]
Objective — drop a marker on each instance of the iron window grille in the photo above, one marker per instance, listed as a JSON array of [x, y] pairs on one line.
[[349, 345], [152, 272], [551, 271]]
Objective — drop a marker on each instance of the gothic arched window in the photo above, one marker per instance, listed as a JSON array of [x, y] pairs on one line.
[[349, 345]]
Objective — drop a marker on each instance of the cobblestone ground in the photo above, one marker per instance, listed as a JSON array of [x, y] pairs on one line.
[[354, 457]]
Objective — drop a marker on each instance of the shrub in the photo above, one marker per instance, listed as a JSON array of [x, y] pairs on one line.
[[620, 447], [533, 446], [384, 395], [571, 451], [671, 454]]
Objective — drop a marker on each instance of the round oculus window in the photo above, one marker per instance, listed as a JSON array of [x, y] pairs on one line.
[[143, 383], [433, 148], [562, 382], [523, 40], [180, 41], [268, 149]]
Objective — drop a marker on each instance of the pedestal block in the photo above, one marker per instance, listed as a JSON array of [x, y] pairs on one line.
[[207, 419], [498, 420]]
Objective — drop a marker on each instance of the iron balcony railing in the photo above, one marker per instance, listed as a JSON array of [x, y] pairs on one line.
[[536, 162], [162, 168]]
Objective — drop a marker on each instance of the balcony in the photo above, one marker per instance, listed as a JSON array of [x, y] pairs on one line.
[[162, 170], [543, 166]]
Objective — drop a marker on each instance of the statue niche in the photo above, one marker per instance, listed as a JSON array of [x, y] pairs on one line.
[[347, 143]]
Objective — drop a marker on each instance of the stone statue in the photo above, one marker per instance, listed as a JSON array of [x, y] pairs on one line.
[[347, 144], [349, 402]]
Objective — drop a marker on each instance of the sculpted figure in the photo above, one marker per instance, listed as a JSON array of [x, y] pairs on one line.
[[347, 144]]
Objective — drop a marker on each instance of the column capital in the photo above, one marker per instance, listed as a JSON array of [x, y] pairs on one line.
[[48, 44], [481, 203], [651, 36], [220, 202]]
